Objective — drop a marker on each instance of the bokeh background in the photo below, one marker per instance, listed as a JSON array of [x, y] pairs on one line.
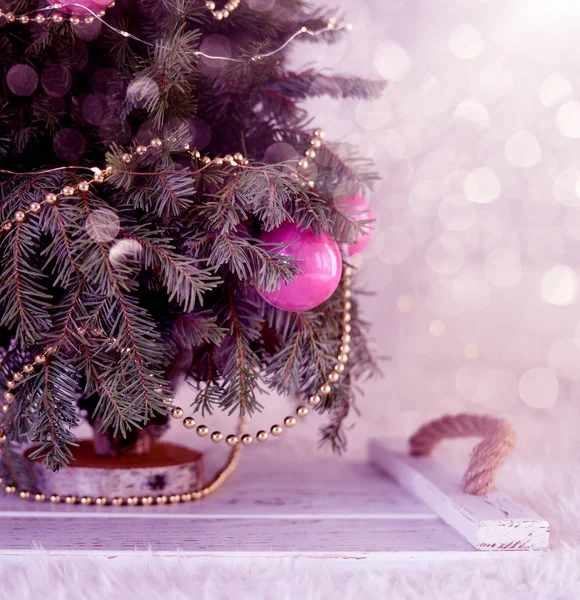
[[474, 264]]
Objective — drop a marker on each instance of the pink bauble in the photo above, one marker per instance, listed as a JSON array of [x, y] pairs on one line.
[[96, 6], [361, 211], [318, 258]]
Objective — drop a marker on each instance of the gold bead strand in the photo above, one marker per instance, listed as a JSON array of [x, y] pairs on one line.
[[234, 160], [99, 176], [19, 376], [53, 15], [224, 12], [314, 400], [194, 495], [51, 199], [310, 153]]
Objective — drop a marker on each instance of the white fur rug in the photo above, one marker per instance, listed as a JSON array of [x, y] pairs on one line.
[[552, 577]]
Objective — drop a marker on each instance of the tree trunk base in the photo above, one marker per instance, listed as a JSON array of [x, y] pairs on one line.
[[167, 469]]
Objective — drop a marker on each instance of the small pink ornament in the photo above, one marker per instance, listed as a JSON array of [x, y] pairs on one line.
[[67, 6], [319, 260], [361, 211]]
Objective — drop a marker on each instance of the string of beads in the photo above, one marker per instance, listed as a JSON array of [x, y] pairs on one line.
[[55, 16], [224, 12], [99, 175], [310, 153], [37, 16], [192, 496], [303, 410]]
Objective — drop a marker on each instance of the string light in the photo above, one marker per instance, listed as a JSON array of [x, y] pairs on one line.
[[99, 175], [36, 16]]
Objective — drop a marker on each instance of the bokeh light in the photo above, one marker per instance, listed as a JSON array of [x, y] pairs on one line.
[[392, 61], [471, 115], [103, 225], [560, 285], [437, 328], [482, 185], [568, 119], [555, 90], [523, 150], [22, 80], [465, 42], [539, 387], [125, 252]]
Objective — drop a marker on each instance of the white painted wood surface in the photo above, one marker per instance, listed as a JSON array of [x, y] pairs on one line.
[[323, 510], [490, 522]]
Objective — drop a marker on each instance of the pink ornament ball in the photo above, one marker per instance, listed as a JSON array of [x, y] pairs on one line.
[[361, 211], [318, 258], [96, 6]]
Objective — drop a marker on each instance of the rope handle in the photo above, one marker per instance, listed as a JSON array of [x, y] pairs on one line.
[[499, 439]]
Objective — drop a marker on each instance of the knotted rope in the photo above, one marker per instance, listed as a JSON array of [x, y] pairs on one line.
[[499, 439]]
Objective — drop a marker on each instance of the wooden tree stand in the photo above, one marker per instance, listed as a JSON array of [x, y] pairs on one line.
[[166, 469]]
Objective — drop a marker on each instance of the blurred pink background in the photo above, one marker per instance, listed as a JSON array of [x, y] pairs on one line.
[[474, 263]]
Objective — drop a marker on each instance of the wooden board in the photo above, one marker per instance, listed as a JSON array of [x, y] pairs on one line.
[[490, 522], [322, 510]]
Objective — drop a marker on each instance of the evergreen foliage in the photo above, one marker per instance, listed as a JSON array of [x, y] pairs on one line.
[[163, 259]]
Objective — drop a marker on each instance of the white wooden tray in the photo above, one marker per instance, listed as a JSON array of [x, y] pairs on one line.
[[326, 509]]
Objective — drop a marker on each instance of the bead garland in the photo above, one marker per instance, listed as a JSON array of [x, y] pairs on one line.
[[191, 496], [223, 13], [310, 153], [302, 411], [55, 16], [99, 176]]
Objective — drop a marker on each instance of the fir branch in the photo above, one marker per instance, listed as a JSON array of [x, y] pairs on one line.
[[350, 167], [184, 280], [26, 301], [173, 59], [305, 350], [241, 371], [130, 324], [313, 84], [333, 433], [253, 260], [59, 254], [15, 468], [193, 329], [55, 391]]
